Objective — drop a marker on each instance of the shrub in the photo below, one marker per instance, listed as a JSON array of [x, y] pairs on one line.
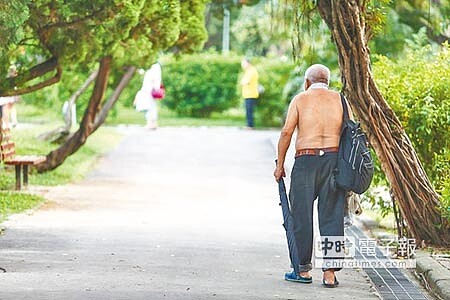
[[198, 85], [201, 84], [272, 104], [417, 89]]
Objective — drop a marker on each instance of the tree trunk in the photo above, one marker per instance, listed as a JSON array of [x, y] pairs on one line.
[[410, 185], [60, 133], [101, 116], [68, 117], [58, 156], [94, 117]]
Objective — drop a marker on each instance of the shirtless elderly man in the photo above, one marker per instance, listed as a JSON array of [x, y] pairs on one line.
[[317, 115]]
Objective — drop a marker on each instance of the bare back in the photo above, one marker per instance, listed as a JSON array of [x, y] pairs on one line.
[[319, 122]]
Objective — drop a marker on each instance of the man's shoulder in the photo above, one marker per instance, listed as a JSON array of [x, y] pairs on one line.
[[303, 96], [299, 96], [312, 91]]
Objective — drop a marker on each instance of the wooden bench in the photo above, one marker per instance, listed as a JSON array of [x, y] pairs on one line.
[[21, 162]]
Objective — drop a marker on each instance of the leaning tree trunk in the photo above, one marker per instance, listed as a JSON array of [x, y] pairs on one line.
[[60, 134], [58, 156], [124, 81], [410, 185], [94, 116]]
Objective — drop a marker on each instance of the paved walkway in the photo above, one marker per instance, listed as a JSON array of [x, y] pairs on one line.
[[179, 213]]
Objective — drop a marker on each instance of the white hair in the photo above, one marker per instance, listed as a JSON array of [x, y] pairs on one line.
[[318, 73]]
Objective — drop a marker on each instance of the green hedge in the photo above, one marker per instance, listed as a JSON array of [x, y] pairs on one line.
[[201, 84], [272, 104], [198, 85]]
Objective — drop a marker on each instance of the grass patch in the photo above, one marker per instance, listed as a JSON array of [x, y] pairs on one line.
[[121, 115], [38, 115], [13, 202], [74, 168]]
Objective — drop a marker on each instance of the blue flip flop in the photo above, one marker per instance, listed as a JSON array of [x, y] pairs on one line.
[[297, 278]]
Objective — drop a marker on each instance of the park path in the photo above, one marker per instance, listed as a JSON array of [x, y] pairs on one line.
[[177, 213]]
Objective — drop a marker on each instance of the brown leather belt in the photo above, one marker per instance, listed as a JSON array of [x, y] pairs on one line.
[[316, 151]]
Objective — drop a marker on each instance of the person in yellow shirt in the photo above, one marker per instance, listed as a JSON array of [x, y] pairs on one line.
[[250, 92]]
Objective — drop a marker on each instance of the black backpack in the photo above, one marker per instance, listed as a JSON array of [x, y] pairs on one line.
[[355, 165]]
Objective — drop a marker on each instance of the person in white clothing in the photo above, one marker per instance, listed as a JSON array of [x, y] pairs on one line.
[[8, 112], [144, 100]]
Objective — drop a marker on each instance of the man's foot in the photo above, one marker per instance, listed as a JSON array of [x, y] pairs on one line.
[[329, 279], [303, 277]]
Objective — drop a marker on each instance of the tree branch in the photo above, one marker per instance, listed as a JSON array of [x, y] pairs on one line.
[[75, 141], [73, 22], [101, 116], [33, 73]]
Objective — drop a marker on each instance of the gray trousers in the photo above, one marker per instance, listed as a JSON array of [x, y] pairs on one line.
[[311, 178]]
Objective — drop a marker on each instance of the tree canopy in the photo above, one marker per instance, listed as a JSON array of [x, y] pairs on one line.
[[45, 36]]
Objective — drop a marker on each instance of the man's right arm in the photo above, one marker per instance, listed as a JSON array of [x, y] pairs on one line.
[[285, 138]]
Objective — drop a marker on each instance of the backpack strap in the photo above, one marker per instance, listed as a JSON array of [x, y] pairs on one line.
[[344, 107]]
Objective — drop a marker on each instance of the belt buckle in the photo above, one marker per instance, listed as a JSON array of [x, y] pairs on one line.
[[321, 152]]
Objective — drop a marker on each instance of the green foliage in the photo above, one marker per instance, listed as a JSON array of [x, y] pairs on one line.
[[214, 20], [442, 179], [79, 33], [199, 85], [445, 200], [13, 14], [375, 14], [397, 20], [157, 28], [53, 97], [271, 105], [255, 34], [14, 202], [250, 32], [390, 40], [417, 89], [192, 30], [433, 15]]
